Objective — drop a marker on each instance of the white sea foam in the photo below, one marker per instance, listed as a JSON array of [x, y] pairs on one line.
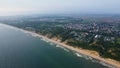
[[62, 47], [94, 60], [105, 64], [51, 43], [79, 55], [100, 62], [43, 39]]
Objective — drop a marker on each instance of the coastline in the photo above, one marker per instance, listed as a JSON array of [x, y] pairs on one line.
[[90, 53]]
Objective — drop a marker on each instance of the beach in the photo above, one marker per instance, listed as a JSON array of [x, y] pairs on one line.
[[90, 53]]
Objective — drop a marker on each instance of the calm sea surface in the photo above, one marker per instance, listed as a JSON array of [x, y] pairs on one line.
[[22, 50]]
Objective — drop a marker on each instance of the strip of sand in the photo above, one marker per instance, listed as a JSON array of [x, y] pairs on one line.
[[93, 54]]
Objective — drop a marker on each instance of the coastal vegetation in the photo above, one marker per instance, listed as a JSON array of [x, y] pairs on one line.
[[95, 34]]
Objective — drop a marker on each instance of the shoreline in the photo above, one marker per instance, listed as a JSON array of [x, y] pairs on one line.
[[93, 54]]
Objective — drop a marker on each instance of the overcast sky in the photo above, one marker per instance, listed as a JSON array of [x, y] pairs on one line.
[[8, 7]]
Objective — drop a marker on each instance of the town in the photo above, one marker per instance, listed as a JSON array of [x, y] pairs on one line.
[[99, 33]]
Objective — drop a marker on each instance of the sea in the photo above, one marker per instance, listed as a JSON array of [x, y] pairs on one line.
[[19, 49]]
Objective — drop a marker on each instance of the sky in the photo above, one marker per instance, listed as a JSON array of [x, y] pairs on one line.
[[13, 7]]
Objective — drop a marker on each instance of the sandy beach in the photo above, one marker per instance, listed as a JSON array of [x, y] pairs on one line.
[[93, 54], [90, 53]]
